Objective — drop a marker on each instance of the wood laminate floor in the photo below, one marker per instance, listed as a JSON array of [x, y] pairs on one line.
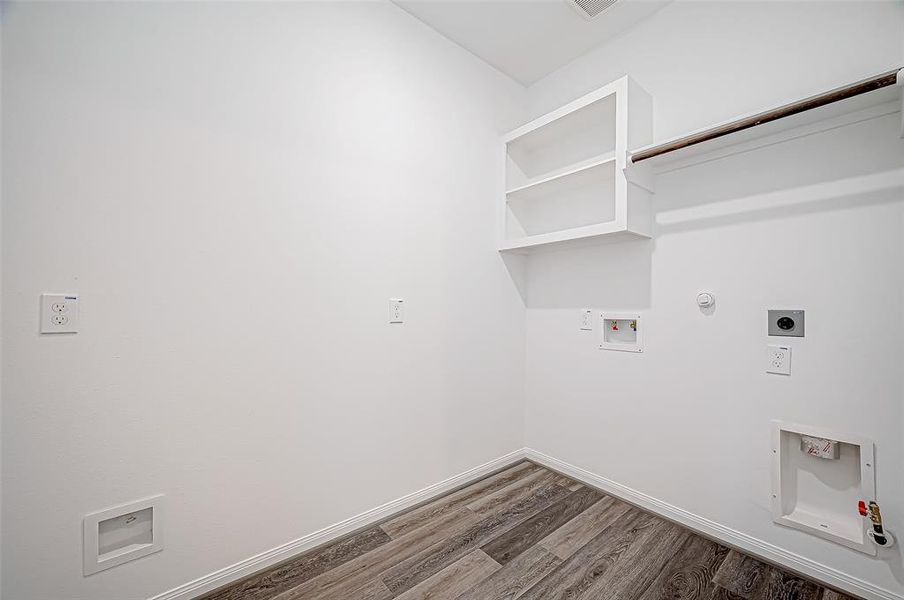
[[524, 533]]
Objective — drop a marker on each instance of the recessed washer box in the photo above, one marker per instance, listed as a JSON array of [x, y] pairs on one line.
[[819, 494], [122, 533], [621, 331]]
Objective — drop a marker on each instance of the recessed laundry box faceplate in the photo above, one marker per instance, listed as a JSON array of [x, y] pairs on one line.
[[817, 492], [621, 331], [123, 533]]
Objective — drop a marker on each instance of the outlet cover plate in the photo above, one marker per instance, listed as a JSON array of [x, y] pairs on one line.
[[778, 360], [396, 310], [796, 321], [59, 313]]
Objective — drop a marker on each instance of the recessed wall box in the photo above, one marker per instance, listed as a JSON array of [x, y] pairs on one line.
[[787, 323], [621, 331], [820, 496], [122, 533]]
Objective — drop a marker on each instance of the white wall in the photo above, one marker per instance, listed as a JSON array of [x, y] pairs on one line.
[[236, 190], [1, 305], [688, 421], [231, 188]]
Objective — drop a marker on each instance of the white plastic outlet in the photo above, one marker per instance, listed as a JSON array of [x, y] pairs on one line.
[[778, 359], [59, 313], [396, 314], [587, 320]]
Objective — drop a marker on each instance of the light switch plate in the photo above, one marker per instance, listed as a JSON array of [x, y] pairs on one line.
[[778, 359], [59, 313]]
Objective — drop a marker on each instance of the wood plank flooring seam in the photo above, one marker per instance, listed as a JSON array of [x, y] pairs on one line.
[[296, 571], [524, 533], [512, 543], [411, 572], [412, 519]]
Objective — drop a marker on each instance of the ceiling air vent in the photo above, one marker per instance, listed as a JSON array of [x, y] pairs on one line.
[[590, 9]]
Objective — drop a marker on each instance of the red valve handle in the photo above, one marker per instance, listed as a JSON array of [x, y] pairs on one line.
[[861, 507]]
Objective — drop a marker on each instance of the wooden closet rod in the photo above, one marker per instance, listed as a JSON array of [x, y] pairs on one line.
[[842, 93]]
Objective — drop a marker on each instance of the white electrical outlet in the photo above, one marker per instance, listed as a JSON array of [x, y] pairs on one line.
[[587, 320], [59, 313], [778, 359], [396, 314]]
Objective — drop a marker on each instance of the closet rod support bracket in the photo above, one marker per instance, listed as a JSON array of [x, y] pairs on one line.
[[899, 80], [640, 175]]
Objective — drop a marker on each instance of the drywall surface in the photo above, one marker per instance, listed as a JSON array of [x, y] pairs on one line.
[[708, 62], [815, 223], [236, 190], [1, 305]]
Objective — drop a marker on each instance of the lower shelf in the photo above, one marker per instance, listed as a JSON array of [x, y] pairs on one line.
[[589, 233]]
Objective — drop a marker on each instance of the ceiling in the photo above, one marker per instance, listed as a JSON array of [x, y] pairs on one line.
[[527, 39]]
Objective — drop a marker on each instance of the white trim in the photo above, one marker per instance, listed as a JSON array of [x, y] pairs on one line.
[[730, 537], [271, 557]]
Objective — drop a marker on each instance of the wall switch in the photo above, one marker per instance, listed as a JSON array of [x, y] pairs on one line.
[[587, 320], [778, 359], [59, 313], [396, 314]]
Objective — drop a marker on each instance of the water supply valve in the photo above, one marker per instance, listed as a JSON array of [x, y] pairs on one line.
[[877, 532]]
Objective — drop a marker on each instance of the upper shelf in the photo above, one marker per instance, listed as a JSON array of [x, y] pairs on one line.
[[882, 92], [549, 145]]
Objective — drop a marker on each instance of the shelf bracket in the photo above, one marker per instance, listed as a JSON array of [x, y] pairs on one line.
[[640, 175], [900, 82]]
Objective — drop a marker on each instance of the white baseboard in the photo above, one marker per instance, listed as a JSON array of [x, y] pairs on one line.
[[276, 555], [729, 537]]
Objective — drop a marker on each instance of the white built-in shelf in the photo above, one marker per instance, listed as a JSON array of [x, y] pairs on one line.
[[569, 176], [587, 233], [562, 176], [867, 99], [565, 172]]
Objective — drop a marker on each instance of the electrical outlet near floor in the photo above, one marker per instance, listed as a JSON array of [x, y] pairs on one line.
[[778, 359], [586, 320], [59, 313]]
